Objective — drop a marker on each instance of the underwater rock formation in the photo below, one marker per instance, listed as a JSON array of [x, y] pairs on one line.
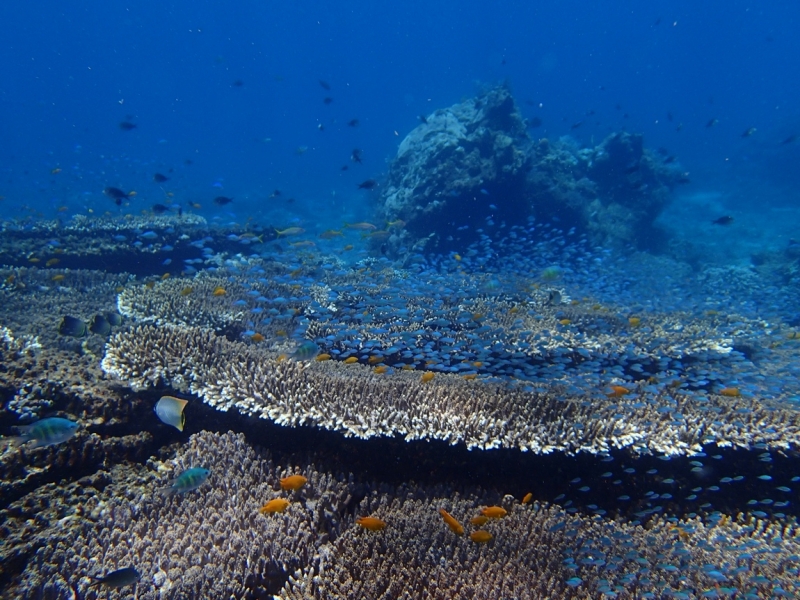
[[613, 191], [452, 164], [472, 166]]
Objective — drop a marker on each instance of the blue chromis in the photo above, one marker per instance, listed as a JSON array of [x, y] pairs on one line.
[[46, 432], [170, 410], [117, 579], [187, 481]]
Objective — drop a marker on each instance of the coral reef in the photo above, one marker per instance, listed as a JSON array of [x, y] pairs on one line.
[[354, 400], [213, 542], [209, 543]]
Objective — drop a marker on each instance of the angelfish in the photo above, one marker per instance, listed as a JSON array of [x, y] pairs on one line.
[[170, 410]]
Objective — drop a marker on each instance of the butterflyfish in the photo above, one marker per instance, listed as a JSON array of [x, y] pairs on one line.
[[170, 410]]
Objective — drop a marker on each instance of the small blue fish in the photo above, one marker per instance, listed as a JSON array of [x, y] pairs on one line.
[[46, 432], [187, 481]]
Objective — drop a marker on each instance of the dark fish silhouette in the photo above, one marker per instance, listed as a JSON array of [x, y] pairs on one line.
[[117, 579], [367, 185], [327, 99], [275, 193], [789, 139], [712, 122], [127, 126], [423, 119], [72, 326], [353, 122], [726, 220], [116, 194], [576, 125], [237, 83], [355, 155], [100, 325], [325, 85], [222, 200], [534, 122], [160, 209], [749, 132], [159, 178]]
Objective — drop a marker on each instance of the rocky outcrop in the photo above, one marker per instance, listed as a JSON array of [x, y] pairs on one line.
[[454, 167], [472, 167]]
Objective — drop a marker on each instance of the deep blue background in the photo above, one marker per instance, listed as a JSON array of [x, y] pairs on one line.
[[70, 72]]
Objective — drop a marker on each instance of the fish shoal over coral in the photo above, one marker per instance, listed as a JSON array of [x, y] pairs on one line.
[[635, 415]]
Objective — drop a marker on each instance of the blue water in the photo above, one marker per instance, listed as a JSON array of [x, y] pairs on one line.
[[234, 88]]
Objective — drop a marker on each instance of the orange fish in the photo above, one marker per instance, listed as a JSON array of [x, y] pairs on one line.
[[634, 321], [730, 392], [565, 322], [427, 376], [348, 247], [381, 369], [527, 498], [165, 276], [257, 337], [371, 523], [617, 391], [187, 290], [350, 360], [454, 525], [59, 277], [407, 367], [219, 291], [322, 357], [481, 536], [63, 208], [470, 376], [293, 482], [52, 262], [478, 521], [494, 512], [373, 360], [276, 505]]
